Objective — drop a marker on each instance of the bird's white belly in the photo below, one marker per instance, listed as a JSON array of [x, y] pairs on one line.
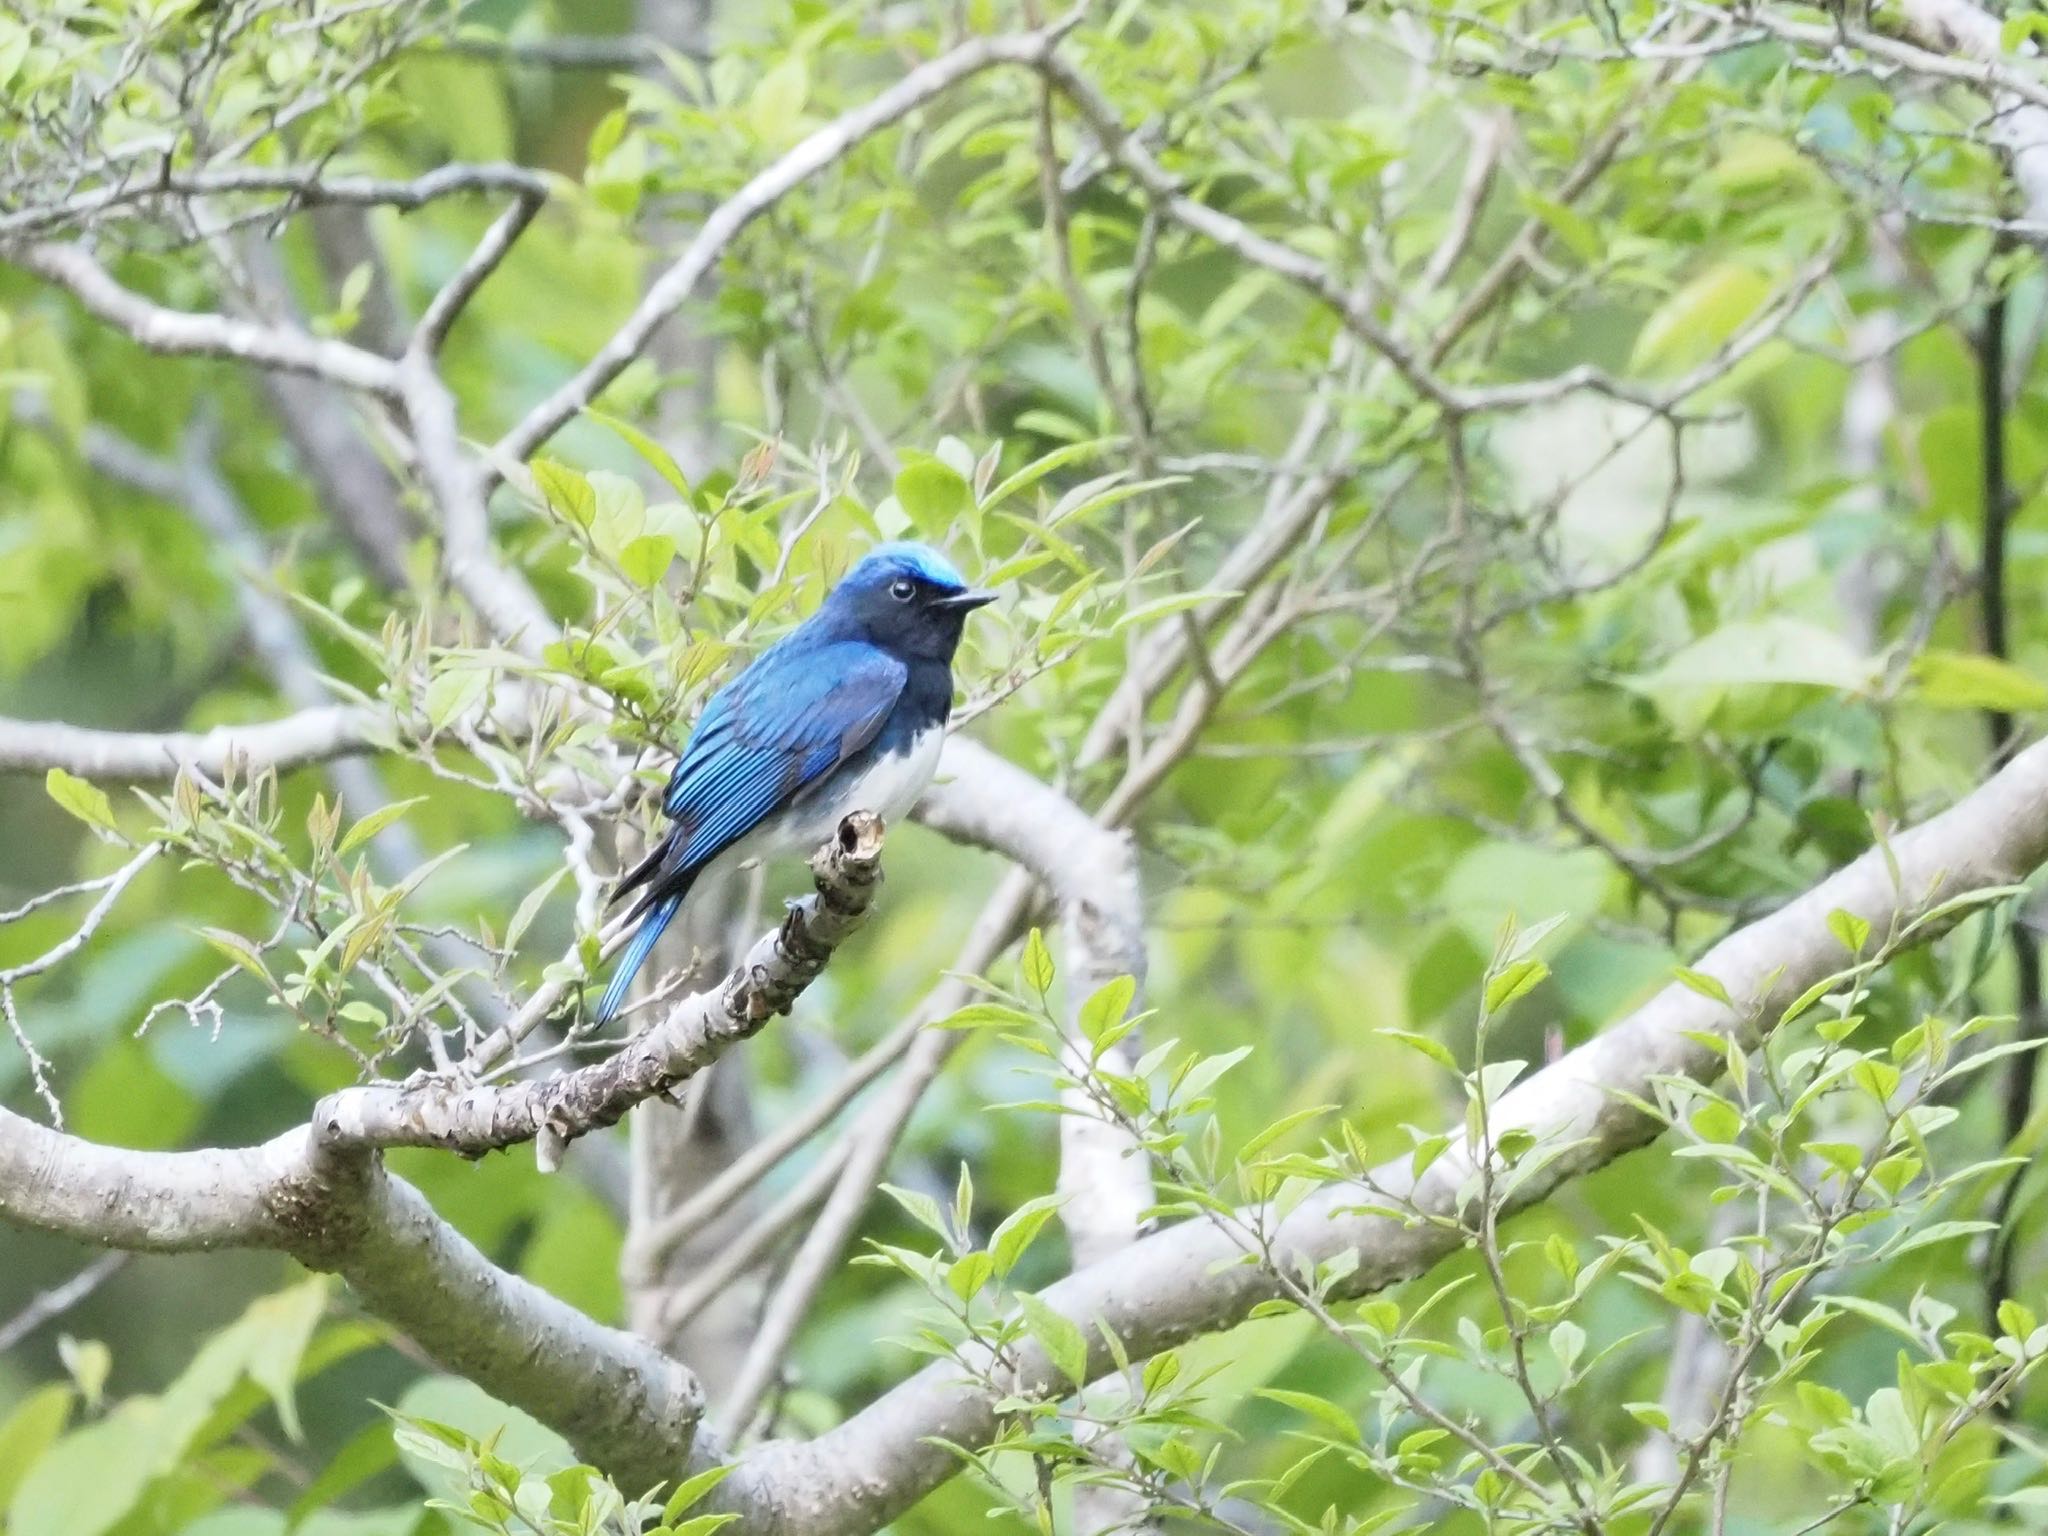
[[889, 788]]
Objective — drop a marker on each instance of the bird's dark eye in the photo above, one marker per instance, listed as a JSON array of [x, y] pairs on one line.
[[903, 589]]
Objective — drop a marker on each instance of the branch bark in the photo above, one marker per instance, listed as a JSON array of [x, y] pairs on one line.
[[181, 334], [291, 741]]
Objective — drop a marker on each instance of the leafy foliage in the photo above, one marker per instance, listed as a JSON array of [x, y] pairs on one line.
[[1462, 673]]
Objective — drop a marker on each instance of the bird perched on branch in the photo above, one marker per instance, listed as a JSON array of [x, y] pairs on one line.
[[845, 713]]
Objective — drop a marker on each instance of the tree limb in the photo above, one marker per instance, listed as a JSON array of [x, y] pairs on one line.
[[181, 334], [616, 1398], [290, 741], [301, 187], [556, 1110]]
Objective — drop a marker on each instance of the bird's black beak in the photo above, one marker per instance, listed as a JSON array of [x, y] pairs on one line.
[[961, 602]]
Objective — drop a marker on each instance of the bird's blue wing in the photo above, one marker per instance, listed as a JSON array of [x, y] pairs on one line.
[[783, 724]]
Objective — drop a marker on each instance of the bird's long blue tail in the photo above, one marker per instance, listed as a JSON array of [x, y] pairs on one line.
[[637, 949]]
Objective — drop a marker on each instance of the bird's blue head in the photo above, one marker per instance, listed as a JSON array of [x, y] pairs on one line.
[[905, 598]]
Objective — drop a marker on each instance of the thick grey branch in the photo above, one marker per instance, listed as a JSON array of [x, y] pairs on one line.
[[501, 597], [182, 334], [306, 736], [620, 1401]]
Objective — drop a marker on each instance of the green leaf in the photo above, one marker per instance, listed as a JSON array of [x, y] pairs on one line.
[[1756, 163], [239, 950], [453, 692], [85, 800], [921, 1208], [1205, 1070], [1563, 1257], [1753, 677], [88, 1361], [1435, 1050], [374, 823], [693, 1490], [985, 1015], [1062, 1340], [779, 98], [1700, 982], [1161, 607], [1320, 1409], [1687, 328], [1717, 1121], [1897, 1425], [966, 1275], [453, 1413], [1577, 232], [933, 493], [646, 559], [2020, 29], [1039, 468], [87, 1482], [95, 1477], [963, 1201], [1512, 981], [1037, 963], [1966, 680], [1775, 650], [1851, 930], [705, 1525], [658, 458], [1938, 1232], [1491, 1082], [566, 492], [1824, 1403], [1279, 1128], [32, 1428], [1016, 1231], [1567, 1343], [1107, 1006], [529, 907], [1492, 882], [279, 1328]]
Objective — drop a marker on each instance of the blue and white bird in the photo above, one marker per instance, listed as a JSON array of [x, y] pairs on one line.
[[845, 713]]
